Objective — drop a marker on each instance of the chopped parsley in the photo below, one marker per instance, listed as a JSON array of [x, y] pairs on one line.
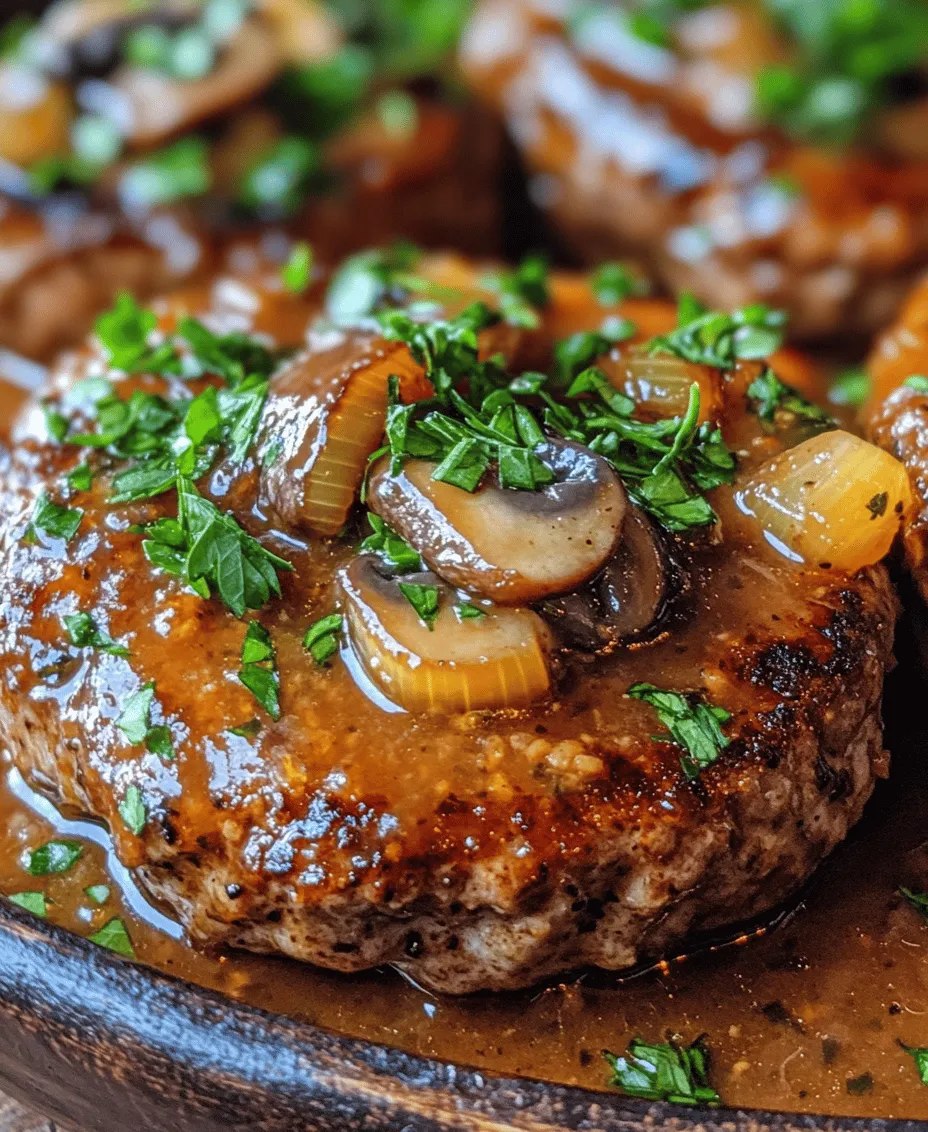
[[80, 478], [134, 720], [98, 893], [366, 281], [920, 1057], [423, 599], [522, 292], [666, 1072], [178, 171], [298, 270], [278, 182], [56, 425], [666, 464], [132, 810], [321, 638], [394, 551], [846, 56], [613, 283], [259, 668], [114, 937], [54, 857], [851, 387], [210, 551], [499, 423], [124, 333], [714, 338], [770, 396], [54, 520], [135, 723], [33, 902], [918, 382], [693, 724], [467, 612], [84, 633], [918, 900]]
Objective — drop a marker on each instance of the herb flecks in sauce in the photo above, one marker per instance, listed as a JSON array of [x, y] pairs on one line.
[[321, 638], [669, 1071], [259, 668], [693, 724], [114, 937], [55, 856]]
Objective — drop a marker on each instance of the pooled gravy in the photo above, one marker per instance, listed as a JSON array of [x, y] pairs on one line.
[[805, 1015]]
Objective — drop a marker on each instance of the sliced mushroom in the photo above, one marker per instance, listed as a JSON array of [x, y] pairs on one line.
[[324, 416], [148, 106], [80, 39], [623, 601], [510, 546], [496, 660]]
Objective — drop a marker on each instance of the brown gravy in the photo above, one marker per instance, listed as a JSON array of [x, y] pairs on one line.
[[806, 1017]]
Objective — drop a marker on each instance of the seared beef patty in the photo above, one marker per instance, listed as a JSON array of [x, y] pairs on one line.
[[485, 848]]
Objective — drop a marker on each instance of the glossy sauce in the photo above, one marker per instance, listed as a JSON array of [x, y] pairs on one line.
[[798, 1019], [804, 1018]]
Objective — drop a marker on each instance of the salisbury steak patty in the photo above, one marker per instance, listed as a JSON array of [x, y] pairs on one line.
[[476, 849]]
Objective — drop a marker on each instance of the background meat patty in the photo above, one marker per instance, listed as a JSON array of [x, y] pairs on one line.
[[481, 850]]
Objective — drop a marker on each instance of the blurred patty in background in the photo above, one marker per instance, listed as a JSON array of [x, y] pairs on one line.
[[774, 150], [142, 141]]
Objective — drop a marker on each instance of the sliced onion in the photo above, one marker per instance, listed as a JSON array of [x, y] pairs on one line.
[[460, 664], [660, 384], [833, 501], [325, 416]]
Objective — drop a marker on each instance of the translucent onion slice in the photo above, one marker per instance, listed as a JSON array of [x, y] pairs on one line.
[[833, 501], [324, 417], [461, 663], [659, 384]]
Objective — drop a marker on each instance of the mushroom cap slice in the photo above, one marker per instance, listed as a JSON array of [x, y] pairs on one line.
[[513, 547], [624, 600], [148, 106], [460, 664], [324, 416]]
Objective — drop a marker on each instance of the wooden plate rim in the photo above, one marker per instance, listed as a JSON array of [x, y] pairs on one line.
[[98, 1043]]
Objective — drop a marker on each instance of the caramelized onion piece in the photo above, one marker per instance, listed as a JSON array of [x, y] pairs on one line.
[[660, 384], [34, 116], [324, 416], [460, 664], [510, 546], [834, 500], [623, 601]]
